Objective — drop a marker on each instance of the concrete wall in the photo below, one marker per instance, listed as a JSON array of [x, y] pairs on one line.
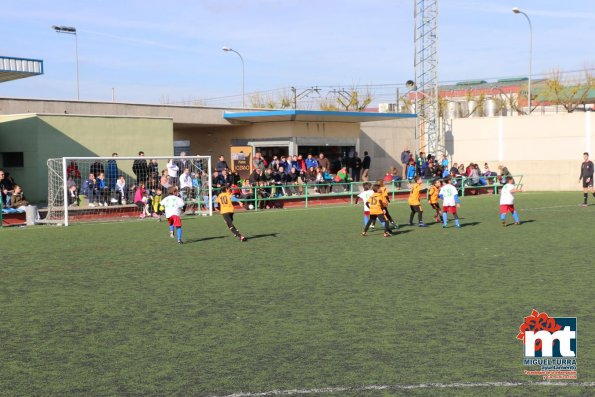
[[384, 141], [41, 137], [180, 114], [213, 140], [546, 149]]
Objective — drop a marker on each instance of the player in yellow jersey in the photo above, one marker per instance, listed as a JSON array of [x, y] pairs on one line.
[[225, 205], [433, 198], [382, 190], [377, 204], [415, 203]]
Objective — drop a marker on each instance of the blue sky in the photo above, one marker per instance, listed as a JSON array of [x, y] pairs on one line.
[[170, 51]]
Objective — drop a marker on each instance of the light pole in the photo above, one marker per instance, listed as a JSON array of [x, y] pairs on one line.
[[516, 10], [227, 49], [72, 30]]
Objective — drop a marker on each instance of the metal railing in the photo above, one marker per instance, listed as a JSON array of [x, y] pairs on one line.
[[259, 196]]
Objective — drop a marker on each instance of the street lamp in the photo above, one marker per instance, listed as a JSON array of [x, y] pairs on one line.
[[227, 49], [516, 10], [72, 30]]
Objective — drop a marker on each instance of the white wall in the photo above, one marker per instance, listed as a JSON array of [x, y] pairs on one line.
[[547, 149]]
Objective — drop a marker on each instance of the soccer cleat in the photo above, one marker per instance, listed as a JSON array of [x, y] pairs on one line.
[[372, 227], [422, 224], [171, 234], [458, 226], [180, 242], [584, 205], [100, 204], [444, 226], [242, 238], [517, 223], [364, 234], [410, 224], [91, 205], [504, 223], [436, 219], [386, 234], [395, 226], [142, 216], [105, 204]]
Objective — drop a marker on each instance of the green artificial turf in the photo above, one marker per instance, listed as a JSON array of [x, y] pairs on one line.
[[306, 303]]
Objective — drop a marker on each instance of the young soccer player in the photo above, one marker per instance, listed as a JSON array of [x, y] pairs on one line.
[[377, 205], [415, 203], [507, 201], [382, 190], [450, 202], [433, 198], [173, 205], [365, 196], [587, 177], [225, 205]]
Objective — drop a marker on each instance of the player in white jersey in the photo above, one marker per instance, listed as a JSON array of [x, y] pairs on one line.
[[364, 196], [507, 201], [173, 205], [450, 202]]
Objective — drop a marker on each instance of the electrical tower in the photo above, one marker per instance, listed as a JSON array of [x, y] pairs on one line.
[[426, 76]]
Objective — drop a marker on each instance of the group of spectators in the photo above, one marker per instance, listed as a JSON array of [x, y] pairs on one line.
[[429, 167], [286, 176], [106, 186], [11, 194]]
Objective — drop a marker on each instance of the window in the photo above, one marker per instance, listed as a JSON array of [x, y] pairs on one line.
[[12, 159]]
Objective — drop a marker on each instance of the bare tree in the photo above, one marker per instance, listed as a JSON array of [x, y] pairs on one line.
[[561, 91]]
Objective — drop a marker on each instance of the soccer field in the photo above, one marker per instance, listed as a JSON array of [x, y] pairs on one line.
[[305, 305]]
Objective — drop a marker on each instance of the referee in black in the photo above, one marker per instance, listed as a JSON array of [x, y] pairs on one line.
[[586, 177]]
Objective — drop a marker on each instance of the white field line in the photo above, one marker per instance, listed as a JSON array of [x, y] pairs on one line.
[[297, 392]]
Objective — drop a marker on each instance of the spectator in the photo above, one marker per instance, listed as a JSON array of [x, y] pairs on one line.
[[462, 171], [405, 156], [73, 171], [366, 167], [455, 169], [164, 181], [411, 170], [6, 187], [295, 163], [121, 190], [73, 195], [278, 180], [503, 174], [102, 189], [310, 176], [234, 178], [255, 176], [17, 200], [218, 179], [356, 167], [141, 199], [221, 164], [473, 175], [140, 169], [90, 189], [112, 172], [342, 177], [96, 168], [274, 164], [183, 163], [186, 184], [153, 169], [172, 172], [258, 161], [284, 164], [323, 162], [311, 162]]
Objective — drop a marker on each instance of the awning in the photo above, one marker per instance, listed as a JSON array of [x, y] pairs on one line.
[[18, 68], [268, 116]]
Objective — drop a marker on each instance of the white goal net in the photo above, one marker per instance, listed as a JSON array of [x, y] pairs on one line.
[[116, 188]]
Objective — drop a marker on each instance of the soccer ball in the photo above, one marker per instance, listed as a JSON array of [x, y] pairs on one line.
[[250, 206], [123, 202]]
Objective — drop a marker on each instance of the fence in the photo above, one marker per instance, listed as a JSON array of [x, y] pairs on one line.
[[261, 196]]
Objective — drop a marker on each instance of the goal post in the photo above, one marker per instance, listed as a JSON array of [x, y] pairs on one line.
[[118, 188]]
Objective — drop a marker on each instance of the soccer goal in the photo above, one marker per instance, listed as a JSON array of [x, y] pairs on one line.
[[118, 188]]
